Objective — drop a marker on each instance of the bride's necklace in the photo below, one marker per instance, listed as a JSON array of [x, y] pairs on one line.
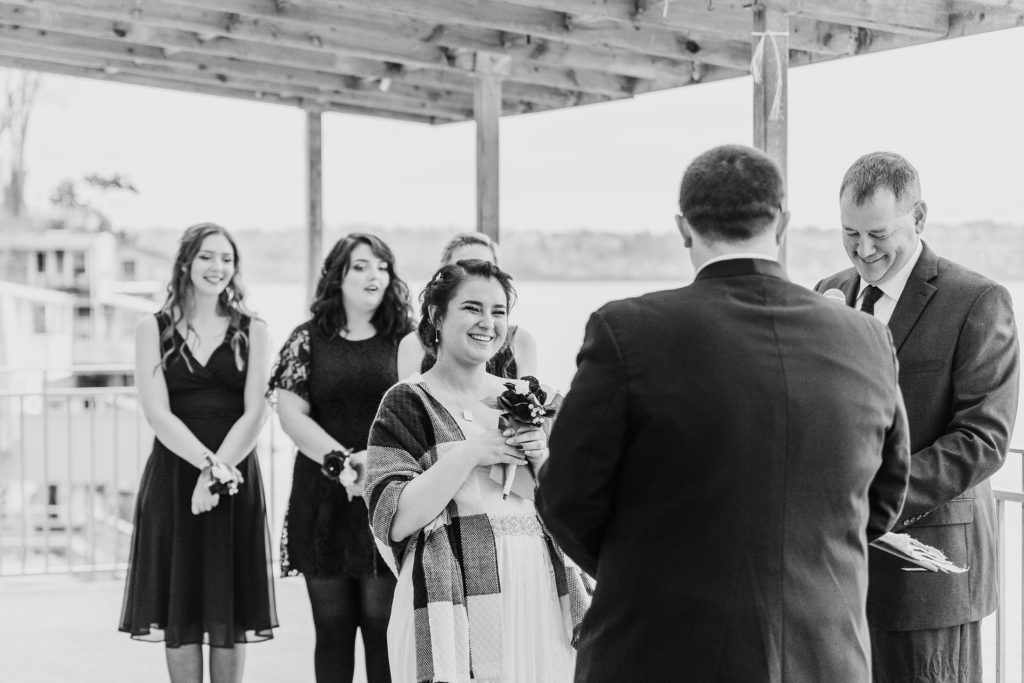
[[467, 414]]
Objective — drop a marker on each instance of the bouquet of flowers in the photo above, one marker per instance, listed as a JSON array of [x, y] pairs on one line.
[[224, 479], [524, 403]]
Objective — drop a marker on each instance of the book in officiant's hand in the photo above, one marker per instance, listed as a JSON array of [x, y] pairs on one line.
[[911, 550]]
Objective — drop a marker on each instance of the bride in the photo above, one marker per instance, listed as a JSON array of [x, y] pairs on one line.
[[483, 592]]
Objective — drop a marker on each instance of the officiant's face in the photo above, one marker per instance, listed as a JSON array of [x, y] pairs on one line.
[[474, 325], [880, 234]]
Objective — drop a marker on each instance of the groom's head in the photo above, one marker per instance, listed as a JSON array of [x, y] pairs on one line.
[[731, 195]]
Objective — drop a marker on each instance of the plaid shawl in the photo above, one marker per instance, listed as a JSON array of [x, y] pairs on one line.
[[456, 587]]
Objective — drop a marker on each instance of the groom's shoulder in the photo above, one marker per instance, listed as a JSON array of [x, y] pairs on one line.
[[835, 279], [643, 304]]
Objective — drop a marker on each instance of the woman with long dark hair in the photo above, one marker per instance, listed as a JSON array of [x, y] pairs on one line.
[[330, 377], [199, 570]]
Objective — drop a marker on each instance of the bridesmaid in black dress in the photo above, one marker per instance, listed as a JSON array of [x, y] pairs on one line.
[[200, 564], [516, 359], [330, 377]]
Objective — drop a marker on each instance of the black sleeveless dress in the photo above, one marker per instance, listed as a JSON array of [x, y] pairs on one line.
[[200, 578], [326, 534]]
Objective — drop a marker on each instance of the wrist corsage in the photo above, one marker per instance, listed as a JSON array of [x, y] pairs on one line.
[[224, 480], [338, 467]]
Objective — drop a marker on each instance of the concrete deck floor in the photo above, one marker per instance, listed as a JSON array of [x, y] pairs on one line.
[[58, 629]]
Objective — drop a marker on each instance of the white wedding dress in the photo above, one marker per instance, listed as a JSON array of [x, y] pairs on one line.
[[536, 647]]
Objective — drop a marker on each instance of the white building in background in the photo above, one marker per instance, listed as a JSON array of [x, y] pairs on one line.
[[107, 283]]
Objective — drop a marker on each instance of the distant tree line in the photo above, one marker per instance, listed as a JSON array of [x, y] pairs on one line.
[[994, 249]]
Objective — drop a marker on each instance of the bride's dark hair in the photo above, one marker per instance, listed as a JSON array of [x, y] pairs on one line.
[[442, 287]]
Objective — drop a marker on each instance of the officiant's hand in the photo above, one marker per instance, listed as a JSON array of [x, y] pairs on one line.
[[531, 441], [491, 448]]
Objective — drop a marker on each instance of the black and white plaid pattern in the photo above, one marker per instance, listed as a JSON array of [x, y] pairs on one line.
[[456, 587]]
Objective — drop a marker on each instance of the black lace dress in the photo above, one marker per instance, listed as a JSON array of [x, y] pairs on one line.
[[208, 577], [343, 381]]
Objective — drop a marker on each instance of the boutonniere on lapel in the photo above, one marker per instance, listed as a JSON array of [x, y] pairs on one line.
[[524, 403]]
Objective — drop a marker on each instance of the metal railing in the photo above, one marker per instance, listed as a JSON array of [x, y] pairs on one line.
[[70, 462], [71, 459], [1002, 498]]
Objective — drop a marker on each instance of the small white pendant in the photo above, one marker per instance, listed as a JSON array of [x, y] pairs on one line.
[[467, 415]]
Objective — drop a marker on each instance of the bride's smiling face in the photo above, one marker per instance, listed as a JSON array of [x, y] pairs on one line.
[[475, 323]]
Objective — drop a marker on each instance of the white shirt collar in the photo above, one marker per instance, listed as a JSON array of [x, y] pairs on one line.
[[895, 286], [738, 255]]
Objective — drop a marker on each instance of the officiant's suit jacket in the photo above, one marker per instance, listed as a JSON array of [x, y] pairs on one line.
[[956, 341], [723, 456]]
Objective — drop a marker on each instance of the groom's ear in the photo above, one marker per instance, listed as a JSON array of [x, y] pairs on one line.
[[685, 230]]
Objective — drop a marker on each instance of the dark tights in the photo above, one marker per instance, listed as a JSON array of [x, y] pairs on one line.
[[340, 606]]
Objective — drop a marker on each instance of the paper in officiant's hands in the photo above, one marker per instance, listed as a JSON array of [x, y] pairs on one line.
[[523, 482], [911, 550]]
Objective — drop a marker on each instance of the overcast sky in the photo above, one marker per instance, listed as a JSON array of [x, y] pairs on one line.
[[954, 108]]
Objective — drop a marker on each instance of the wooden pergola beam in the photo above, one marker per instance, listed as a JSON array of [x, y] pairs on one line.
[[537, 38], [314, 198], [197, 88], [924, 18], [489, 70], [368, 99], [276, 76], [188, 27], [486, 25], [732, 18]]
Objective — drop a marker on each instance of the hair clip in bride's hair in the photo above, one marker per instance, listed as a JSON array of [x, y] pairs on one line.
[[439, 277]]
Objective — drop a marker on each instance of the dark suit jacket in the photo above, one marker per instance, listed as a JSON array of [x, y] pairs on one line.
[[724, 454], [957, 346]]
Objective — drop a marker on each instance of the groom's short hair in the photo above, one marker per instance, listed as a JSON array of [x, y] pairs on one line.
[[731, 193]]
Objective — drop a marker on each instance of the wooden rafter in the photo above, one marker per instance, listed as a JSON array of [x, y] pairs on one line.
[[414, 59]]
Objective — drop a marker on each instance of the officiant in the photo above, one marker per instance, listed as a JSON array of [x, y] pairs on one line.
[[956, 341]]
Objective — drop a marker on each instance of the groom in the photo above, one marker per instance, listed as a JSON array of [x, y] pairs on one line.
[[724, 455]]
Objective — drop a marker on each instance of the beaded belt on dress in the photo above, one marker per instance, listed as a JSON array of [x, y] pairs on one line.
[[515, 525]]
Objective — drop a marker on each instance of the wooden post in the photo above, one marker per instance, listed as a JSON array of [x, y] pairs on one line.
[[487, 114], [770, 38], [314, 194]]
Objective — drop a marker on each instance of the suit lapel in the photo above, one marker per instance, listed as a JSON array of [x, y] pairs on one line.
[[915, 297], [849, 288]]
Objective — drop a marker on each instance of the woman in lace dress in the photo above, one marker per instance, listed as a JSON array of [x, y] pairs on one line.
[[483, 593], [517, 357], [329, 379], [200, 567]]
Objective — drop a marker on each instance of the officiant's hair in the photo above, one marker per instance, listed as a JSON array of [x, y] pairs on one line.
[[882, 169], [441, 290], [465, 239], [731, 193]]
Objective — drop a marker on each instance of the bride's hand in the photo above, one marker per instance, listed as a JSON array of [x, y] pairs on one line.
[[530, 441], [491, 448]]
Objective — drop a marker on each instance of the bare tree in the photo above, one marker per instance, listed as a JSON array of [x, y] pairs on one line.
[[18, 90], [78, 200]]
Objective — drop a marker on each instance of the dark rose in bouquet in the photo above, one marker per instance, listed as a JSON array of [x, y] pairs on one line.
[[524, 403]]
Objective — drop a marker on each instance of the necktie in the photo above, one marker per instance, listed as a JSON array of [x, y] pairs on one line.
[[871, 295]]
